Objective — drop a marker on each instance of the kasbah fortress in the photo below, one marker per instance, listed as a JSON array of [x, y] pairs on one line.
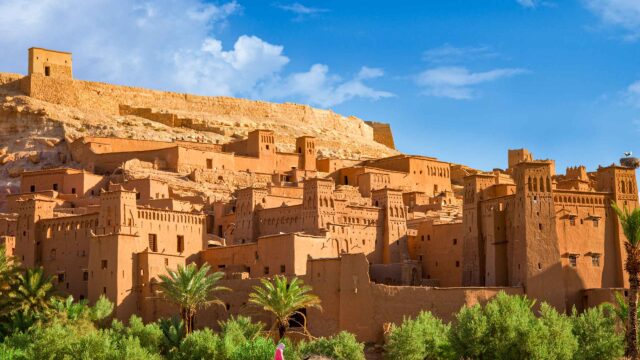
[[107, 186]]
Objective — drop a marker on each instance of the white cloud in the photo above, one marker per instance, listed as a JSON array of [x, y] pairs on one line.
[[318, 87], [633, 93], [532, 4], [302, 12], [527, 3], [300, 9], [211, 70], [163, 44], [449, 53], [619, 13], [458, 82]]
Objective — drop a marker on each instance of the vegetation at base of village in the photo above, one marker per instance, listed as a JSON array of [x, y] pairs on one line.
[[37, 323], [510, 327]]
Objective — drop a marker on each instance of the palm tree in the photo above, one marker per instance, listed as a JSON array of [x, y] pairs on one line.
[[31, 292], [8, 270], [284, 299], [630, 222], [190, 288]]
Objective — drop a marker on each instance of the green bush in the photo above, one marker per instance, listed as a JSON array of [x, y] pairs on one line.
[[8, 353], [342, 346], [60, 340], [200, 344], [243, 325], [595, 331], [257, 349], [553, 338], [424, 337], [468, 333], [507, 328], [150, 336]]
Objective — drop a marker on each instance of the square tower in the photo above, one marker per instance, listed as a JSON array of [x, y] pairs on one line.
[[50, 63], [261, 144], [306, 147]]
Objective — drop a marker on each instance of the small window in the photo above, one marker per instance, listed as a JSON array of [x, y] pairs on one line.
[[422, 238], [540, 226], [60, 277], [166, 262], [267, 147], [457, 263], [455, 241], [47, 71], [85, 275], [55, 187], [573, 260], [595, 222], [32, 188], [595, 260], [209, 163], [137, 196], [572, 221], [153, 242], [283, 269], [73, 190], [103, 264], [104, 290], [180, 244], [266, 270], [428, 237]]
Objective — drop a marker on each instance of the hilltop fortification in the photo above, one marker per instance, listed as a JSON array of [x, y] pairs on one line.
[[48, 107]]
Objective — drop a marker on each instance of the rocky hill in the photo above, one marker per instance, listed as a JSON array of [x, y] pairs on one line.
[[35, 129]]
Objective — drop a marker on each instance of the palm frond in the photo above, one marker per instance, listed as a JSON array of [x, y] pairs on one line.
[[630, 222]]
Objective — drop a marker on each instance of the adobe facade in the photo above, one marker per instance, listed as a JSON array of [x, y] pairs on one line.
[[377, 238]]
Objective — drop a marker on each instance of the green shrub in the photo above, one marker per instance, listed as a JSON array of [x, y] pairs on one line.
[[259, 348], [468, 333], [200, 344], [553, 336], [8, 353], [130, 348], [507, 328], [595, 331], [150, 336], [424, 337], [243, 325], [342, 346], [511, 326]]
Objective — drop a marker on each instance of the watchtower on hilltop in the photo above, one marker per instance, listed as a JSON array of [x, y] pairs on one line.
[[52, 63]]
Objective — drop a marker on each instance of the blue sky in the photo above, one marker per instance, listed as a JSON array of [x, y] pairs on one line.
[[462, 80]]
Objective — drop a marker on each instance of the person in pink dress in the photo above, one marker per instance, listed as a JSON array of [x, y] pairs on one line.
[[279, 352]]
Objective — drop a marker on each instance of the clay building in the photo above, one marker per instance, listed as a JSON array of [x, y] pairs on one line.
[[378, 238], [546, 229]]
